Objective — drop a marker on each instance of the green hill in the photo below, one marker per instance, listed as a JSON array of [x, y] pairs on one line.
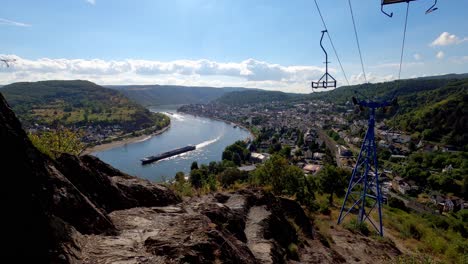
[[438, 115], [152, 95], [254, 97], [77, 103]]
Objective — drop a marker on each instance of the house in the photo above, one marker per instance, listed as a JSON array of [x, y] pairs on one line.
[[344, 152], [445, 206], [312, 168], [258, 157], [308, 154], [436, 199], [383, 144], [458, 203], [318, 156], [308, 138]]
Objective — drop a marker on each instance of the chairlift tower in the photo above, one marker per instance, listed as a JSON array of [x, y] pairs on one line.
[[364, 186]]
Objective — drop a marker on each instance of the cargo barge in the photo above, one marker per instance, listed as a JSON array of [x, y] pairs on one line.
[[167, 154]]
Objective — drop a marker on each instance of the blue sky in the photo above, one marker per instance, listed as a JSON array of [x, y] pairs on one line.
[[266, 44]]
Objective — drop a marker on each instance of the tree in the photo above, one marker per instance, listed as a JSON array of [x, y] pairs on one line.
[[300, 140], [236, 159], [332, 180], [280, 175], [180, 177], [196, 178], [230, 175], [227, 155], [285, 152], [57, 141], [194, 166]]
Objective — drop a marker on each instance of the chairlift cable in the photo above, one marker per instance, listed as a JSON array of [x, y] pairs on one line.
[[392, 119], [357, 40], [403, 43], [331, 41]]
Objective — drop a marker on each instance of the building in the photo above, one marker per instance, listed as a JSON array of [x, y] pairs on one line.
[[258, 157], [318, 156], [312, 168], [344, 152]]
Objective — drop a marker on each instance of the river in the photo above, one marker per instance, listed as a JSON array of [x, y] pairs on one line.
[[210, 136]]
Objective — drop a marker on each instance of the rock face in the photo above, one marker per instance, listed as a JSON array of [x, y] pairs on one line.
[[49, 204], [248, 226]]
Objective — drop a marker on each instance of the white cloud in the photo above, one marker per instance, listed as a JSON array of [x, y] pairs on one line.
[[396, 65], [93, 2], [446, 39], [248, 73], [7, 22], [440, 55], [459, 59], [417, 56], [371, 77]]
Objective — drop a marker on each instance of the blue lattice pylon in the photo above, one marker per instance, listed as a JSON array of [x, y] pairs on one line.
[[364, 193]]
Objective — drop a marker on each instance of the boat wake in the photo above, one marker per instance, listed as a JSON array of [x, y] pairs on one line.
[[177, 116], [208, 142]]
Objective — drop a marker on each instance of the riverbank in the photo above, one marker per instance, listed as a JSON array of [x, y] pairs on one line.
[[124, 141]]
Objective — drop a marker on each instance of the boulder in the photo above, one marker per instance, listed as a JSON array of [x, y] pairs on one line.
[[144, 192]]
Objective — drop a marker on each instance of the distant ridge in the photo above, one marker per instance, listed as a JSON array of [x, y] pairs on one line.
[[445, 76], [152, 95], [253, 97]]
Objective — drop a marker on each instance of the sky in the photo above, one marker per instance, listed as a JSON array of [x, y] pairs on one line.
[[268, 44]]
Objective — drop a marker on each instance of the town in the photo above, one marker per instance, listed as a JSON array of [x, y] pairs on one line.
[[317, 132]]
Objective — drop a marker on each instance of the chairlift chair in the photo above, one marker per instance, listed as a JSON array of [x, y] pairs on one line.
[[391, 2], [326, 81]]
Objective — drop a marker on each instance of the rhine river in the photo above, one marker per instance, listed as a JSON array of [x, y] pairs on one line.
[[210, 136]]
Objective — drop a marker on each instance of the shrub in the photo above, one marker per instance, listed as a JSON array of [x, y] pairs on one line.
[[196, 177], [397, 203], [354, 226], [324, 209], [230, 175], [411, 229], [293, 252], [180, 177]]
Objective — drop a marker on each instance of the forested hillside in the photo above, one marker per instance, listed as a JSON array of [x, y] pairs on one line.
[[439, 115], [253, 97], [77, 103], [153, 95]]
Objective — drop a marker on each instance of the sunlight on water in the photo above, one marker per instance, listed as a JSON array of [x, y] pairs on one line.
[[177, 116]]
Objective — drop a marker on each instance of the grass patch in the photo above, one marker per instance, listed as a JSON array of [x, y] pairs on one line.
[[356, 227]]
